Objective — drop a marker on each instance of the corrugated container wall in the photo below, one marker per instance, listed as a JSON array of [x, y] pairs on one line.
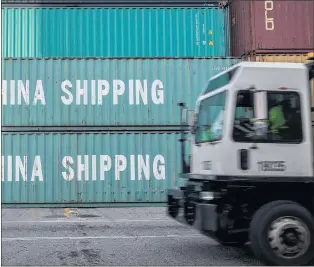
[[292, 58], [114, 32], [100, 92], [228, 29], [88, 168], [114, 2], [272, 26]]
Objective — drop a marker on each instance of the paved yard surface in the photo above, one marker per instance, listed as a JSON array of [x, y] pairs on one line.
[[112, 236]]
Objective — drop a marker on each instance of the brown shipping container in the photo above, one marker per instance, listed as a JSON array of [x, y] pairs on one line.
[[292, 58], [271, 26]]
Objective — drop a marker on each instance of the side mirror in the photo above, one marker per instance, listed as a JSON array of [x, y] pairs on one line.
[[192, 122], [188, 116], [192, 118]]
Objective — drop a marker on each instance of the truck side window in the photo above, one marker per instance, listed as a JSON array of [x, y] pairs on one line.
[[284, 118], [243, 129], [210, 122]]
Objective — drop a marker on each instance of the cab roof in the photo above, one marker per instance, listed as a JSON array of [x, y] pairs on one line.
[[247, 73], [281, 65]]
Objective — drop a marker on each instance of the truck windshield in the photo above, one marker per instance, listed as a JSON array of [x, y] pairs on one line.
[[209, 123]]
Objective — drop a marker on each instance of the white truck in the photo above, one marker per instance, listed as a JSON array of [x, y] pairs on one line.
[[251, 172]]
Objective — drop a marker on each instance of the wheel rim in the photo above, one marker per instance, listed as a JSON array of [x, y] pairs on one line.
[[289, 237]]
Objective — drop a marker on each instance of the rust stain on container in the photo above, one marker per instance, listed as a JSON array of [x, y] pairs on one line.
[[276, 57], [282, 26]]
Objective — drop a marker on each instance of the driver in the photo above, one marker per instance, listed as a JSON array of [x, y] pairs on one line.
[[276, 116]]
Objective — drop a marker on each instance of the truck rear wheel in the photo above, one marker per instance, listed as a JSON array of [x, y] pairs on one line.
[[282, 233]]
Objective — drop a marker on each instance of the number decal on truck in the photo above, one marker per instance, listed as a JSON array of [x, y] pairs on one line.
[[268, 166]]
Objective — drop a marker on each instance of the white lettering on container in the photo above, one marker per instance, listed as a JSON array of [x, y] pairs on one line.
[[93, 94], [269, 21], [143, 166], [4, 92], [141, 90], [136, 167], [37, 170], [131, 92], [82, 167], [69, 175], [84, 92], [118, 90], [159, 167], [94, 164], [39, 93], [10, 169], [64, 86], [21, 167], [118, 167], [2, 168], [23, 92], [12, 92], [135, 92], [158, 94], [105, 165], [132, 167], [103, 90], [81, 92]]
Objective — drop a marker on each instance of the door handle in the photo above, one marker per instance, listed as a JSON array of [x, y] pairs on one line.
[[244, 159]]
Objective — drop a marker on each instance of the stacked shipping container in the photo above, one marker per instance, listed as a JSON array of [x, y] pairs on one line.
[[102, 92], [90, 92], [114, 32], [272, 31], [86, 120], [106, 124], [272, 26]]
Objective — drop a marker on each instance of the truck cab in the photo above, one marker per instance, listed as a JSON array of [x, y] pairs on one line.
[[250, 177], [225, 133]]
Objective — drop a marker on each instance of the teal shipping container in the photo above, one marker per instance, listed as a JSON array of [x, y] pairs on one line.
[[114, 32], [102, 92], [48, 169]]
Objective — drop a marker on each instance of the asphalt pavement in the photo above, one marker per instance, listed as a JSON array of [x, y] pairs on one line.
[[109, 236]]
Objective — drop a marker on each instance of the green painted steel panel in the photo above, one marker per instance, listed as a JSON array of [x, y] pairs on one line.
[[42, 159], [114, 32], [89, 3], [167, 81]]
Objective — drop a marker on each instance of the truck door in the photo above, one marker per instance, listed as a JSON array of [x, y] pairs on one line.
[[209, 132], [283, 149]]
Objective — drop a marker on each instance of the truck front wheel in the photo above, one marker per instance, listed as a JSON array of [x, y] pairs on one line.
[[282, 233]]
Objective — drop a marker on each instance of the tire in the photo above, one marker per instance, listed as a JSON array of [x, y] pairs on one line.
[[259, 231], [255, 224]]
